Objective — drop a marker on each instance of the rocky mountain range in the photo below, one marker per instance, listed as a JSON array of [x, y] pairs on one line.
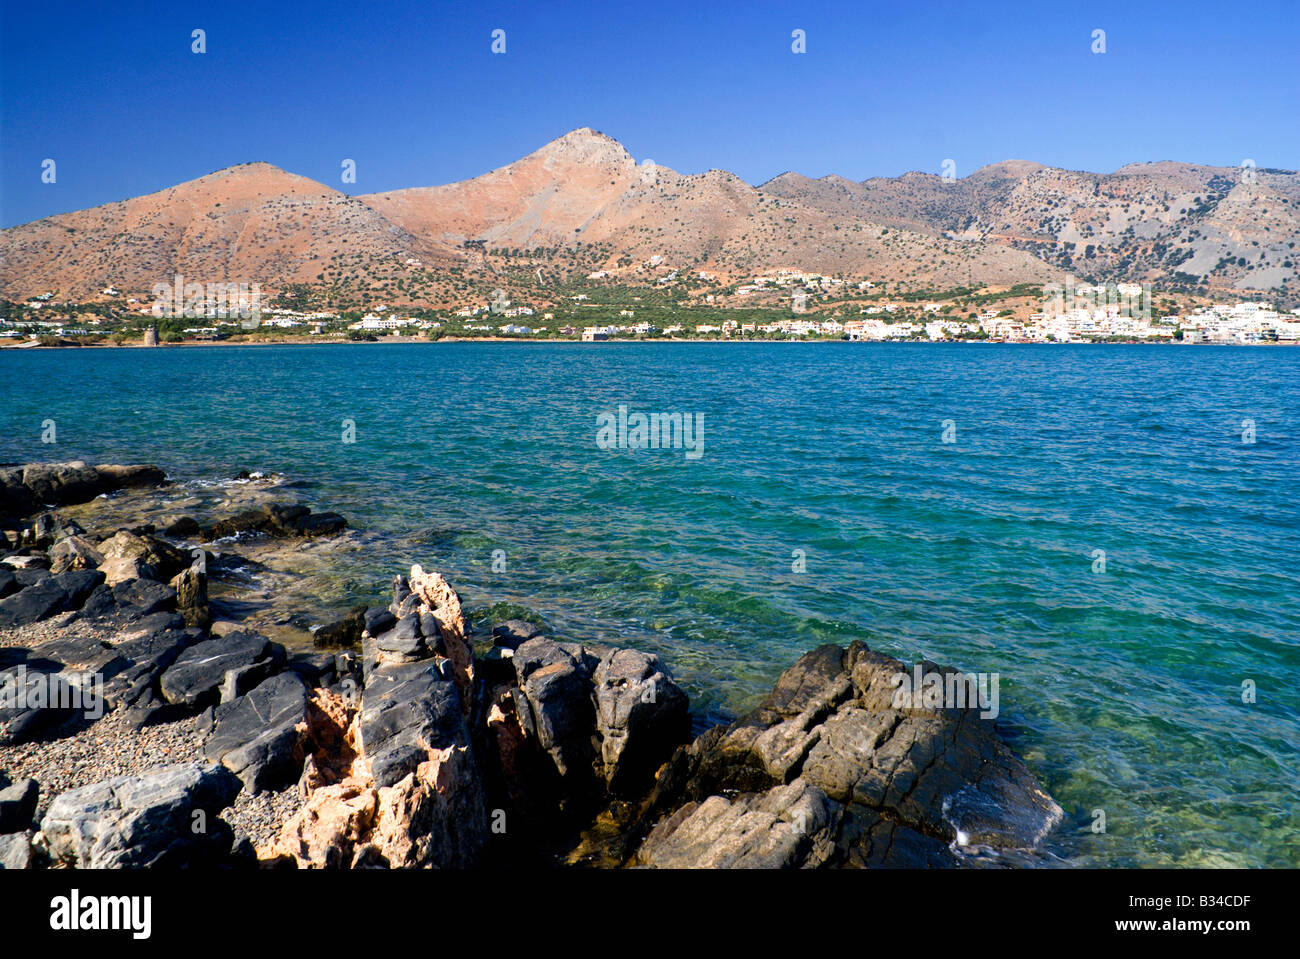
[[582, 203]]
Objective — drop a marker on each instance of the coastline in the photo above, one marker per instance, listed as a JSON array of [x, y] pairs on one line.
[[422, 341], [586, 748]]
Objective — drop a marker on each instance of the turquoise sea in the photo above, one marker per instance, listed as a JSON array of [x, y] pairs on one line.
[[1122, 688]]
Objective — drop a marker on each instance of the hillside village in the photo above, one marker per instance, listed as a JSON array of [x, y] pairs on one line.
[[786, 304]]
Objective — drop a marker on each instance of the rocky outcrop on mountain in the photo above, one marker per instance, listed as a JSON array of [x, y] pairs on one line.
[[1181, 224], [169, 817]]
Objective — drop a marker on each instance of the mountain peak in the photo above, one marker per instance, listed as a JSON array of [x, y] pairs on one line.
[[585, 145]]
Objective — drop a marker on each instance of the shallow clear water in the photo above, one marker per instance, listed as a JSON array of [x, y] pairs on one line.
[[1122, 689]]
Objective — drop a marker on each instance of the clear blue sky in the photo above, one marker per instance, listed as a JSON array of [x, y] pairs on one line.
[[412, 93]]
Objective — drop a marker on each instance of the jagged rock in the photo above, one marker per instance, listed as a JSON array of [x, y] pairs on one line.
[[404, 642], [42, 532], [406, 711], [378, 620], [622, 701], [791, 826], [316, 669], [220, 669], [401, 590], [145, 595], [191, 586], [18, 805], [914, 784], [641, 717], [38, 700], [556, 708], [8, 583], [439, 599], [148, 656], [433, 816], [167, 817], [257, 736]]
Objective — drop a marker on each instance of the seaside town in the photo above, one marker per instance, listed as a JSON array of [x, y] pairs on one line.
[[786, 305]]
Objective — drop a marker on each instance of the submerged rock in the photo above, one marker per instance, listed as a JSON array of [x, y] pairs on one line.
[[276, 520]]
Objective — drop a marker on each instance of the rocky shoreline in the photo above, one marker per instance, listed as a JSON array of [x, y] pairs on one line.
[[137, 729]]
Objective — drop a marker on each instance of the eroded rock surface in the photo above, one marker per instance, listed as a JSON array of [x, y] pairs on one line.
[[902, 786], [168, 817]]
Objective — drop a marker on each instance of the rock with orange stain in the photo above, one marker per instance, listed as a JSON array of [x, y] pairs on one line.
[[438, 598]]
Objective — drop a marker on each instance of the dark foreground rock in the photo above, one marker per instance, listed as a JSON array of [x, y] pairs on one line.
[[219, 670], [18, 805], [276, 520], [259, 736], [424, 754], [877, 784], [581, 723], [405, 788], [168, 817], [47, 596], [25, 489]]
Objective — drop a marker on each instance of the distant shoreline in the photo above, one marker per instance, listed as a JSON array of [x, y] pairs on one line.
[[417, 341]]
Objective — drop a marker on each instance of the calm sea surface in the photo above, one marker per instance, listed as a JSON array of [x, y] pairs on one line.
[[1122, 688]]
